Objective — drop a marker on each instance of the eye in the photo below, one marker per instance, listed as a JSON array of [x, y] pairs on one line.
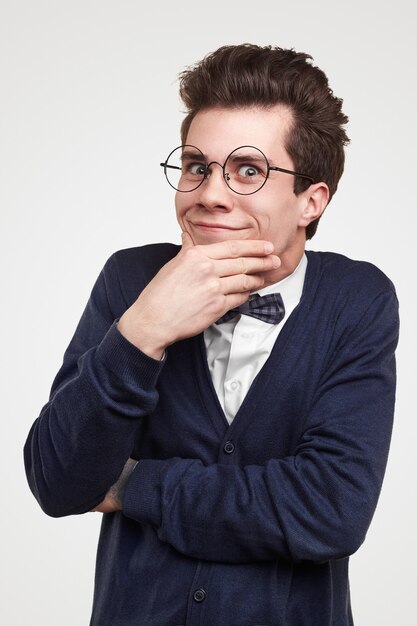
[[248, 171], [197, 169]]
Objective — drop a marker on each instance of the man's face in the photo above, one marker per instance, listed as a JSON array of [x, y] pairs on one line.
[[213, 212]]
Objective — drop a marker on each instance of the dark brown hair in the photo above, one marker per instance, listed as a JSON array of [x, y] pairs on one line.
[[250, 75]]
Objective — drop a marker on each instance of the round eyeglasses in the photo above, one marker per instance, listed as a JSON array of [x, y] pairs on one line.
[[245, 170]]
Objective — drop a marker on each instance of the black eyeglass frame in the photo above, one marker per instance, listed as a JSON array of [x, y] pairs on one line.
[[226, 177]]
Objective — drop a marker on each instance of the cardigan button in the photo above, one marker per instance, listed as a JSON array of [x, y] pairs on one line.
[[199, 595], [229, 447]]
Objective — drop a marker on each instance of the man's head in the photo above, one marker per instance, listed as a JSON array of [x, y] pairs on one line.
[[250, 76]]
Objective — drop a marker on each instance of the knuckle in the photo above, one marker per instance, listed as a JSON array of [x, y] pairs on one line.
[[234, 249], [191, 254], [205, 267], [213, 286], [218, 307], [243, 265], [215, 307], [254, 282], [246, 283]]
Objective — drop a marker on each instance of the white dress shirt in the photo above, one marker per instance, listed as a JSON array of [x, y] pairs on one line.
[[237, 350]]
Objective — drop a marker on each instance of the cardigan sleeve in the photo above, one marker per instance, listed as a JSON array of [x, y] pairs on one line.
[[315, 505], [78, 445]]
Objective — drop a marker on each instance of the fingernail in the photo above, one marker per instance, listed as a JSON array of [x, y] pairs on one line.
[[269, 247]]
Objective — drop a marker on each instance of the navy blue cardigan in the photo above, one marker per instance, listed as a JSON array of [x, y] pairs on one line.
[[241, 525]]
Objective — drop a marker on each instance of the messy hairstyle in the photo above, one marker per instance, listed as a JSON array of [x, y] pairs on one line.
[[248, 75]]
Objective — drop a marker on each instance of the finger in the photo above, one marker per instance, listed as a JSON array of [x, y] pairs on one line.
[[241, 283], [234, 300], [246, 265], [233, 249], [187, 241]]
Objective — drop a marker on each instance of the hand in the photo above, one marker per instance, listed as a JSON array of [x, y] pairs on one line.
[[194, 289], [113, 500]]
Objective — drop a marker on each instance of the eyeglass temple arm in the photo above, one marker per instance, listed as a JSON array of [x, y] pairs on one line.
[[172, 167], [281, 169]]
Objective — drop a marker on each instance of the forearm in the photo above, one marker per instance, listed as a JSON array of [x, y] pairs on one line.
[[255, 513], [316, 503], [79, 444]]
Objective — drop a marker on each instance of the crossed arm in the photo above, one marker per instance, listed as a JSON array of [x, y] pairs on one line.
[[314, 505], [276, 509]]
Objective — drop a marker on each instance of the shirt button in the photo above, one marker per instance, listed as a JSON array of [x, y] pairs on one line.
[[234, 385], [229, 447], [199, 595]]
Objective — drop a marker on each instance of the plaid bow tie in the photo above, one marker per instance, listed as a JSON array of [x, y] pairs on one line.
[[269, 308]]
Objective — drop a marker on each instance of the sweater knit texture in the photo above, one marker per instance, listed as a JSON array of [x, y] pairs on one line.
[[250, 524]]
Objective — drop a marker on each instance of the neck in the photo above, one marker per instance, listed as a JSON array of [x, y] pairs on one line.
[[289, 262]]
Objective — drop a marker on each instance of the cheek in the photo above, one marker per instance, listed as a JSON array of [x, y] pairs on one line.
[[259, 214], [180, 206], [274, 220]]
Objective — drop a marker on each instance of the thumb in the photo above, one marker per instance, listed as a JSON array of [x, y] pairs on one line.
[[187, 242]]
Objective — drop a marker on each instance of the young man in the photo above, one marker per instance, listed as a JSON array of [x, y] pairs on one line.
[[237, 454]]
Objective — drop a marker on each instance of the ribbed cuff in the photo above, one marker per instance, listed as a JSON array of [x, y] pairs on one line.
[[143, 494], [126, 361]]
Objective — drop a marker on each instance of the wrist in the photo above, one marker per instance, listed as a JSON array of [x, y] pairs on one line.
[[142, 335]]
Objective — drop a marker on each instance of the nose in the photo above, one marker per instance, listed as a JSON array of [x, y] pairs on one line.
[[214, 193]]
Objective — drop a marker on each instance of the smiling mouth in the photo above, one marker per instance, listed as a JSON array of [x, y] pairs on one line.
[[208, 226]]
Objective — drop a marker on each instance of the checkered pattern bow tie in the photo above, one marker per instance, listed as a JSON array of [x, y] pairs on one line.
[[269, 308]]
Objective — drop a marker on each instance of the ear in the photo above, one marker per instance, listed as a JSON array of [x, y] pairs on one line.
[[315, 198]]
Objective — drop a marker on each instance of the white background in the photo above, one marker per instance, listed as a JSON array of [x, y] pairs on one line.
[[88, 109]]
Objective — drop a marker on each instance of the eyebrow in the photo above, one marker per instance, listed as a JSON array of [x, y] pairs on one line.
[[189, 154], [247, 157], [238, 158]]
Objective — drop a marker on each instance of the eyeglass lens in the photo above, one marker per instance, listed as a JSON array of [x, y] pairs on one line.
[[245, 170]]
